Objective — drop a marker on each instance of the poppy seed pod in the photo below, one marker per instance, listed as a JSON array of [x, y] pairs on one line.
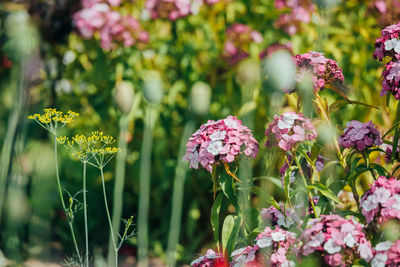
[[153, 90], [281, 70], [248, 72], [123, 96], [200, 98]]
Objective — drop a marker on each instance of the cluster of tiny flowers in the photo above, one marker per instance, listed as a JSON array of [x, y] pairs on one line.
[[391, 79], [281, 218], [360, 136], [98, 17], [246, 256], [238, 38], [339, 239], [324, 70], [53, 119], [174, 9], [389, 43], [210, 259], [300, 11], [382, 201], [222, 140], [319, 166], [386, 254], [289, 129], [97, 146]]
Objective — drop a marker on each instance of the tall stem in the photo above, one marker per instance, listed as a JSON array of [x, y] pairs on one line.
[[71, 227], [177, 196], [109, 218], [144, 195], [85, 217], [118, 186]]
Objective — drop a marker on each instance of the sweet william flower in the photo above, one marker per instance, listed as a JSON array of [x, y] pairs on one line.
[[388, 44], [360, 136], [391, 79]]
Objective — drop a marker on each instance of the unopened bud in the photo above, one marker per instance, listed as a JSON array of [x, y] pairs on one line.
[[200, 98], [153, 87], [123, 96], [248, 72]]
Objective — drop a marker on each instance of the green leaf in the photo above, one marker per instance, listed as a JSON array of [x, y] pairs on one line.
[[252, 219], [215, 211], [230, 231], [345, 213], [274, 180], [228, 187], [324, 191]]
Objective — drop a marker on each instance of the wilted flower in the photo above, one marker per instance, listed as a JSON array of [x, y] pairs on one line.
[[112, 26], [391, 79], [324, 70], [360, 136], [220, 141], [238, 39], [387, 253], [339, 239], [289, 129], [388, 44], [300, 11], [210, 259], [280, 219], [382, 201]]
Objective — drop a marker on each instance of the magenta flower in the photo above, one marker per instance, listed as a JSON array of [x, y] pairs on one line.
[[360, 136], [388, 44], [382, 201], [239, 37], [278, 244], [339, 239], [279, 219], [112, 27], [289, 129], [299, 12], [324, 70], [391, 79], [220, 141], [387, 254], [210, 259]]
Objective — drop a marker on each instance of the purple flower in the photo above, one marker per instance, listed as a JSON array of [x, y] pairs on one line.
[[220, 141], [391, 79], [324, 70], [360, 136], [388, 44], [279, 219], [289, 129]]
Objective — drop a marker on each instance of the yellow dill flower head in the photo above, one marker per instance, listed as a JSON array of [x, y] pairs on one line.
[[62, 139], [108, 140], [53, 119]]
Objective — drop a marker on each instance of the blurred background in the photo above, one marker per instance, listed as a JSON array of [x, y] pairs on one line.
[[171, 67]]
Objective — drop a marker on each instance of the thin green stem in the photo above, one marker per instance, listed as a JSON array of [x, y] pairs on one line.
[[85, 217], [355, 194], [305, 184], [71, 227], [109, 218], [366, 159]]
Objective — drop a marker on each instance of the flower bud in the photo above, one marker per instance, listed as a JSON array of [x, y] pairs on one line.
[[281, 70], [248, 72], [200, 98], [153, 90], [123, 96]]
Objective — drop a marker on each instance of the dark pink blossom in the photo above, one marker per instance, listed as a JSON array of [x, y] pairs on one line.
[[338, 239], [391, 79], [360, 136], [382, 201], [289, 129], [388, 44], [220, 141], [324, 70]]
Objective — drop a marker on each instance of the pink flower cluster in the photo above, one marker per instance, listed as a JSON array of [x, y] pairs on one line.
[[360, 135], [210, 259], [279, 219], [222, 140], [300, 11], [246, 256], [174, 9], [289, 129], [97, 16], [339, 239], [382, 201], [239, 36], [389, 43], [391, 79], [324, 70], [386, 254]]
